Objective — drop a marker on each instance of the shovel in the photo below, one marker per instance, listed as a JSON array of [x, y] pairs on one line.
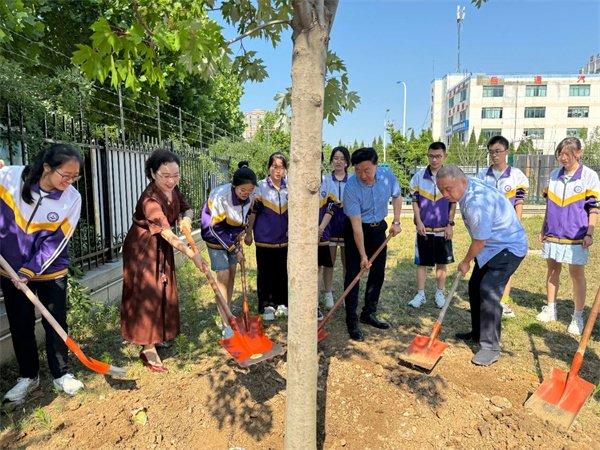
[[248, 345], [425, 351], [560, 397], [92, 364], [321, 332]]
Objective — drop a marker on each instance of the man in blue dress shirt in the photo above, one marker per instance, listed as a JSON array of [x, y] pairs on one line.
[[498, 245], [366, 198]]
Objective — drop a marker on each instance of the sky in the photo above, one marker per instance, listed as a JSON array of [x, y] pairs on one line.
[[384, 41]]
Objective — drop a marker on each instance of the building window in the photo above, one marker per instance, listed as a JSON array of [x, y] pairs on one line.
[[462, 116], [493, 91], [535, 112], [488, 133], [491, 113], [451, 102], [463, 95], [450, 121], [579, 90], [578, 111], [580, 133], [534, 133], [535, 90]]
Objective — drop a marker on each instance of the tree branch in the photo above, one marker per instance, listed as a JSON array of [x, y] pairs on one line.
[[330, 11], [254, 30], [302, 9]]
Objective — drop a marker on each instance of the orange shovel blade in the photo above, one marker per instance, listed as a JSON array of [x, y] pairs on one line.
[[252, 346], [420, 353], [321, 334], [559, 401]]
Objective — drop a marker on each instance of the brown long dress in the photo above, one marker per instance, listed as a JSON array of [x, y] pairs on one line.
[[150, 305]]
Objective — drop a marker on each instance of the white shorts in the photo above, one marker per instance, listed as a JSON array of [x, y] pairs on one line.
[[566, 253]]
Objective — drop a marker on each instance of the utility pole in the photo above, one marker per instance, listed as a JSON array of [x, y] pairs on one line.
[[460, 17], [385, 124]]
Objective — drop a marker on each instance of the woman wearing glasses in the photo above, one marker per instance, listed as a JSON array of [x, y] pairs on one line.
[[224, 218], [39, 210], [150, 306], [268, 225]]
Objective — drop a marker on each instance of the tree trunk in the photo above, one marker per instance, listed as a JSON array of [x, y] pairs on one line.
[[308, 84]]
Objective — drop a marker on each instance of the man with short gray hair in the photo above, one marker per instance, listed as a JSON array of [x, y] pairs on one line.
[[498, 245]]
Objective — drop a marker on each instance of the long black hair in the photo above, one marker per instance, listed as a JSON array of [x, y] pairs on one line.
[[55, 156], [280, 156], [345, 153]]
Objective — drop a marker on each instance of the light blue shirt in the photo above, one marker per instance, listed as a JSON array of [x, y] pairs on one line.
[[370, 202], [490, 217]]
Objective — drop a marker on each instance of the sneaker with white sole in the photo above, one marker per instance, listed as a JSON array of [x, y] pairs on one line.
[[507, 310], [440, 299], [226, 332], [418, 300], [328, 300], [269, 314], [548, 314], [68, 384], [319, 314], [21, 390], [576, 326], [281, 311]]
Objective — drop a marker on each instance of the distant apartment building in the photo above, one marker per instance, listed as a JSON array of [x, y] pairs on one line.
[[543, 108], [592, 66], [252, 120]]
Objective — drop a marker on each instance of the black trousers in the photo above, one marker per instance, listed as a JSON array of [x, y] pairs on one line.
[[485, 291], [373, 238], [271, 276], [21, 319]]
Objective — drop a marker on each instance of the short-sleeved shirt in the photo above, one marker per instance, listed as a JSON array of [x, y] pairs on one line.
[[512, 182], [370, 202], [490, 217]]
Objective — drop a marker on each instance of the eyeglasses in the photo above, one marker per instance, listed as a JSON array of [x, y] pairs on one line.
[[435, 156], [496, 152], [68, 178], [168, 177]]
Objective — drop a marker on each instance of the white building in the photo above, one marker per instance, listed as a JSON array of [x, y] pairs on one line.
[[252, 120], [544, 108], [592, 66]]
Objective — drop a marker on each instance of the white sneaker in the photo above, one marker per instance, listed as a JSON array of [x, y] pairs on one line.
[[281, 311], [507, 310], [418, 300], [328, 300], [547, 315], [319, 314], [269, 314], [576, 326], [440, 300], [21, 390], [68, 384], [226, 332]]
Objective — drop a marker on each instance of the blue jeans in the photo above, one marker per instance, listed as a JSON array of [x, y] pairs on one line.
[[221, 259]]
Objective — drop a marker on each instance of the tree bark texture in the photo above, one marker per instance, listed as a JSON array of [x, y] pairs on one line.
[[311, 25]]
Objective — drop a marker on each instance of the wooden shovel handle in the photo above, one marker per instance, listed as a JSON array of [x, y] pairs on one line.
[[339, 301], [589, 326]]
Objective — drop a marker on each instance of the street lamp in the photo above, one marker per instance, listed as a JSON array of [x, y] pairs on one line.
[[385, 122], [403, 109]]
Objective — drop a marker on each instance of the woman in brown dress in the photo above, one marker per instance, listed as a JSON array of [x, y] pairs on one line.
[[150, 306]]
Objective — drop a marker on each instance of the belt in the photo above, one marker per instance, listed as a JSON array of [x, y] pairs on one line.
[[373, 224]]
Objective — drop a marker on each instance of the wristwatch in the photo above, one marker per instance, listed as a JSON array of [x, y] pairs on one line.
[[451, 223], [395, 223]]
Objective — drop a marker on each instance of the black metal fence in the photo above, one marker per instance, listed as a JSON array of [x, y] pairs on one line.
[[112, 179]]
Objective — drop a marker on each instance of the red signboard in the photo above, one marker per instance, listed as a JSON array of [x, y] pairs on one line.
[[537, 79]]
